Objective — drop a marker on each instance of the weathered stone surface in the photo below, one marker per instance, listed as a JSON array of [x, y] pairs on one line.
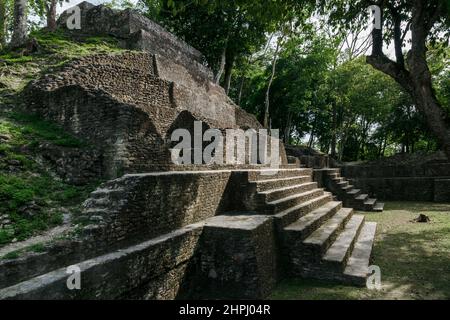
[[164, 235], [118, 272], [156, 203], [404, 181], [238, 257], [442, 190], [77, 166], [308, 156], [172, 234]]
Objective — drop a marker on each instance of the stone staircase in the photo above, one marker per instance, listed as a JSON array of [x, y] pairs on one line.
[[351, 196], [320, 238]]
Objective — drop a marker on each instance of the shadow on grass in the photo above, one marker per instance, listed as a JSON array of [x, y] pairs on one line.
[[414, 258], [417, 264]]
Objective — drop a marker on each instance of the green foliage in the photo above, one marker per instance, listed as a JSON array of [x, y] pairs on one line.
[[11, 255], [34, 127], [320, 99], [28, 184]]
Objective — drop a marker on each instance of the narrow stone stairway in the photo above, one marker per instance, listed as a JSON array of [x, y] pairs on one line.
[[322, 239], [351, 196]]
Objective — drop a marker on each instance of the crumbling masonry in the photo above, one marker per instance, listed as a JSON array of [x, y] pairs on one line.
[[159, 231]]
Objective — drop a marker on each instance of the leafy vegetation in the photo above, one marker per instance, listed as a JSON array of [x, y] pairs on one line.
[[55, 49], [33, 200], [29, 195], [413, 258]]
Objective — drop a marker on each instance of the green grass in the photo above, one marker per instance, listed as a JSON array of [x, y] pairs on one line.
[[23, 179], [33, 127], [414, 258], [28, 182], [20, 189], [56, 48], [37, 248]]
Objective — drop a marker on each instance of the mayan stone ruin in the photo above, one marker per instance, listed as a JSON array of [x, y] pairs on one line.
[[158, 230]]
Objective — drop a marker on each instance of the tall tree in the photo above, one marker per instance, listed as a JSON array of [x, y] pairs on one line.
[[427, 20], [2, 23], [51, 14], [224, 31], [19, 35], [47, 10]]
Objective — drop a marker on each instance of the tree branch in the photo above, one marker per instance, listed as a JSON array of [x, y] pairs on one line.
[[393, 69]]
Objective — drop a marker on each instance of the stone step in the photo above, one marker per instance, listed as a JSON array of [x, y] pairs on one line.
[[334, 174], [304, 226], [106, 192], [341, 249], [358, 264], [291, 201], [323, 237], [378, 207], [370, 202], [343, 184], [337, 180], [270, 174], [333, 170], [276, 194], [354, 192], [292, 214], [348, 187], [264, 185], [362, 197]]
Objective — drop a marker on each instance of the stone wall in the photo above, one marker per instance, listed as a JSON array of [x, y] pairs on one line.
[[308, 156], [130, 209], [410, 182], [158, 265], [237, 258], [138, 33], [118, 104], [123, 106], [182, 214], [149, 205], [189, 262]]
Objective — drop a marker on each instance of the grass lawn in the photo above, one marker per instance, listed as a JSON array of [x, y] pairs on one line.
[[414, 258]]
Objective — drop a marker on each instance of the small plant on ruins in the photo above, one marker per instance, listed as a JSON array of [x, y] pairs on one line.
[[18, 67], [32, 199]]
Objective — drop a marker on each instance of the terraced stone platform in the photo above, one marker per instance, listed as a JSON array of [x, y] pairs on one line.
[[322, 239], [343, 189], [293, 229]]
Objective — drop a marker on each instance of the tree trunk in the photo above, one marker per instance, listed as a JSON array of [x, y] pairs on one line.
[[222, 66], [334, 133], [51, 15], [228, 71], [19, 35], [435, 116], [311, 135], [2, 23], [241, 88], [267, 100], [287, 129], [417, 79]]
